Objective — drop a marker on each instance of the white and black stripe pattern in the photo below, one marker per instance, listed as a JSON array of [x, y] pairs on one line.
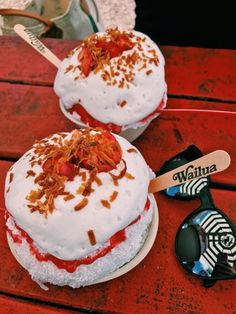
[[220, 239], [193, 187]]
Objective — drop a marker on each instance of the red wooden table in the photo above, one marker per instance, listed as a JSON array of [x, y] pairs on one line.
[[197, 79]]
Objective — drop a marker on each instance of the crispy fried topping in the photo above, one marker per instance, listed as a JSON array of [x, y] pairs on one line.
[[88, 187], [129, 176], [30, 173], [82, 204], [132, 150], [106, 204], [100, 152], [113, 196], [34, 196], [115, 182], [92, 238], [97, 51], [69, 68], [149, 72], [83, 175], [11, 176], [122, 172], [98, 181], [68, 197], [122, 103], [81, 188], [62, 159]]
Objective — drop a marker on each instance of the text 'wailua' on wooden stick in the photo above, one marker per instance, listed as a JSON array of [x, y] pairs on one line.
[[34, 42], [209, 164]]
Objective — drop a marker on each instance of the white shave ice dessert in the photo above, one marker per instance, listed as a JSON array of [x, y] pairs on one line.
[[77, 206], [114, 80]]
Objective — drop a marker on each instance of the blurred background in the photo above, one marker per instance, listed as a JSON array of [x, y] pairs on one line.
[[195, 23]]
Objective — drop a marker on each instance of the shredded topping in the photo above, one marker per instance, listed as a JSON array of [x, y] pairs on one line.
[[113, 196], [81, 188], [69, 68], [68, 197], [149, 72], [97, 51], [131, 150], [105, 203], [82, 204], [92, 238], [98, 181], [101, 152], [121, 174], [115, 181], [83, 175], [122, 103], [30, 173], [62, 159], [11, 177], [129, 176]]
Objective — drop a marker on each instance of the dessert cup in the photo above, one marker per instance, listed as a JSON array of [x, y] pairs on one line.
[[114, 80], [130, 134]]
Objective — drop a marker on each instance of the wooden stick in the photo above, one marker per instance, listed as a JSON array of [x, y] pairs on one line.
[[209, 164], [34, 42]]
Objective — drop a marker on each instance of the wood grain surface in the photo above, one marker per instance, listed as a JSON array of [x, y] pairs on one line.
[[197, 79], [157, 285], [192, 72]]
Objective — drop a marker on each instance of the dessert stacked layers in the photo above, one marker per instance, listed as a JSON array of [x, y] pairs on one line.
[[114, 80], [78, 206]]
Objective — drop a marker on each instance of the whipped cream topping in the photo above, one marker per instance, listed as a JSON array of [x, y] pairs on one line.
[[64, 232], [116, 100]]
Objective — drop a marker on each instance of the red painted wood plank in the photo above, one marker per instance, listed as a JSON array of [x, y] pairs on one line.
[[201, 72], [5, 165], [171, 133], [157, 285], [20, 62], [189, 71], [31, 113], [11, 305]]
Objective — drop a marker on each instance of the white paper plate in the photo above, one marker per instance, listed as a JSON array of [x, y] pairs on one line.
[[127, 267]]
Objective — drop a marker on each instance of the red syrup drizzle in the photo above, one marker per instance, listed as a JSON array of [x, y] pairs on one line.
[[71, 266], [92, 122], [88, 119]]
